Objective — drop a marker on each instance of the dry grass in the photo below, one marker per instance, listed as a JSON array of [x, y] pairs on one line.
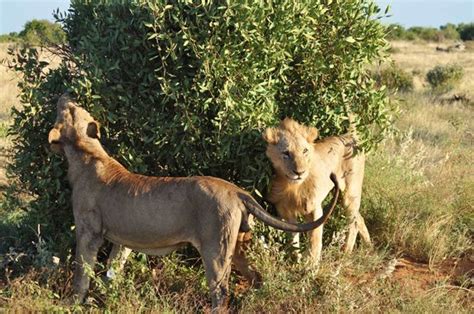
[[8, 89], [8, 80], [9, 98], [420, 57], [424, 172]]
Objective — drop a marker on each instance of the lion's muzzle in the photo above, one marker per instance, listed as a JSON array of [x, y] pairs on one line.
[[54, 139]]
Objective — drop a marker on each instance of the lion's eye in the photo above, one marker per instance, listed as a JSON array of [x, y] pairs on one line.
[[286, 154], [305, 151]]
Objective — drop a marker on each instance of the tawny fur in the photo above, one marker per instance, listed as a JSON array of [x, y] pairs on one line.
[[153, 215], [302, 166]]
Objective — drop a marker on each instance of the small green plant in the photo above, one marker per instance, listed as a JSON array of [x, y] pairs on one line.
[[443, 78], [3, 129], [394, 78]]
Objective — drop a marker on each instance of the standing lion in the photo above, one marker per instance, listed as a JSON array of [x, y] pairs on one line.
[[301, 182]]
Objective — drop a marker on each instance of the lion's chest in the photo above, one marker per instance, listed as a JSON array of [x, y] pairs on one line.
[[296, 199]]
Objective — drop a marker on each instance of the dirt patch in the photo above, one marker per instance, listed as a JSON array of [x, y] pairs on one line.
[[418, 276]]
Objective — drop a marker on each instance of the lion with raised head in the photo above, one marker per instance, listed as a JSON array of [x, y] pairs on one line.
[[301, 182], [154, 215]]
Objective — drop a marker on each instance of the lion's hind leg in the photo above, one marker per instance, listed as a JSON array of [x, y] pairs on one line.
[[216, 249], [116, 261], [362, 228], [351, 202], [356, 225]]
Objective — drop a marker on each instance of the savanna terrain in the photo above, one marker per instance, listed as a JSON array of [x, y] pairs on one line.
[[417, 200]]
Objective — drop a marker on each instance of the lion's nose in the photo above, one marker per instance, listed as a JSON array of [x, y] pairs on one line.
[[298, 173]]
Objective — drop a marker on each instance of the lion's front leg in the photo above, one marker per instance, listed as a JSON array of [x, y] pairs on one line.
[[290, 216], [315, 236], [89, 238]]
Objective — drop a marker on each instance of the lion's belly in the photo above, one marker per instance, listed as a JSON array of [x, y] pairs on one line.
[[144, 241], [151, 246], [142, 223]]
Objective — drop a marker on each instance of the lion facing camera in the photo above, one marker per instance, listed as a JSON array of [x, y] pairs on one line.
[[301, 182]]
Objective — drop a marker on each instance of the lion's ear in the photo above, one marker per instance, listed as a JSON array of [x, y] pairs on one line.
[[312, 134], [93, 130], [270, 135]]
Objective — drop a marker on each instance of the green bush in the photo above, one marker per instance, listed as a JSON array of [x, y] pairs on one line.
[[449, 31], [466, 31], [42, 32], [9, 38], [186, 89], [37, 33], [395, 31], [443, 78], [394, 78], [398, 32], [425, 33]]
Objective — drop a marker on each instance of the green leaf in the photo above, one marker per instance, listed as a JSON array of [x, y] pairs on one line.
[[350, 39]]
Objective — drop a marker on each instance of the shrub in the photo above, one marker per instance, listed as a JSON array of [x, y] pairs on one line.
[[425, 33], [466, 31], [394, 78], [42, 32], [186, 89], [443, 78], [9, 38], [398, 32], [449, 31]]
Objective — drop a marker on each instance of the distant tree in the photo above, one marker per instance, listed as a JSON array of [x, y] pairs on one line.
[[449, 31], [426, 33], [9, 38], [466, 31], [395, 31], [42, 32]]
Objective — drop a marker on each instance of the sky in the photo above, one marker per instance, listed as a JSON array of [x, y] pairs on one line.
[[15, 13], [428, 12]]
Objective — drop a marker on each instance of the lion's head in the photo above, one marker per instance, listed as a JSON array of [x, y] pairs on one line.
[[72, 124], [290, 149]]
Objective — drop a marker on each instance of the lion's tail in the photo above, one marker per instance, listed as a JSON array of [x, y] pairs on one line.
[[244, 224], [255, 209], [351, 140], [353, 127]]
